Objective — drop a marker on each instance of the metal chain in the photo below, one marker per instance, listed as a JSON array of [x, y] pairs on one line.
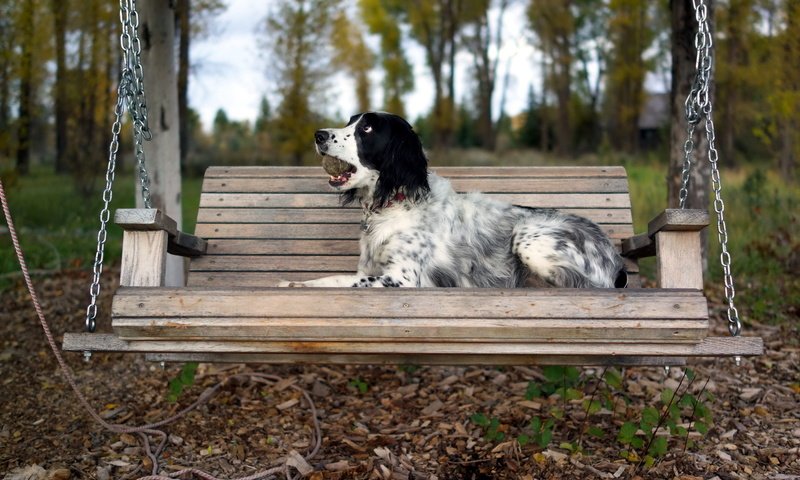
[[135, 98], [698, 106], [97, 269], [130, 92], [698, 96]]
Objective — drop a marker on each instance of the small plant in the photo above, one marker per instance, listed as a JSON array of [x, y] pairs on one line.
[[359, 385], [647, 442], [491, 427], [184, 379], [408, 368], [540, 432], [558, 380], [642, 435]]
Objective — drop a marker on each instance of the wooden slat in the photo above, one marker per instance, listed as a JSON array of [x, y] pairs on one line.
[[639, 246], [673, 219], [354, 215], [420, 330], [455, 303], [283, 246], [459, 184], [145, 219], [326, 231], [331, 200], [252, 279], [559, 171], [414, 359], [271, 279], [186, 245], [348, 231], [286, 263], [711, 346]]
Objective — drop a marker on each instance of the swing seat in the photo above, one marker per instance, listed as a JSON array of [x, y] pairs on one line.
[[259, 225]]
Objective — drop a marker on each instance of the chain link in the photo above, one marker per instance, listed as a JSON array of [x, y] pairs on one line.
[[697, 107], [130, 92]]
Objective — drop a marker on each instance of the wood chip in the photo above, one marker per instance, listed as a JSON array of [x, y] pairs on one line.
[[297, 461], [353, 445], [432, 408], [338, 466], [557, 457], [530, 404], [750, 394], [284, 383], [287, 404]]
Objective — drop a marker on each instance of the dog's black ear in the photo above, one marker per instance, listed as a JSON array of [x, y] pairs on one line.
[[404, 169]]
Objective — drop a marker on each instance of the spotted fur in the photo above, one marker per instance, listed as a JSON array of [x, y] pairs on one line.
[[418, 232]]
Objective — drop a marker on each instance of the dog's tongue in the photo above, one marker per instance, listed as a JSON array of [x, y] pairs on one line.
[[333, 166]]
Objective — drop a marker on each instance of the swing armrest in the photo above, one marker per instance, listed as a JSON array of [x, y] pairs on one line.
[[150, 219], [148, 236], [673, 237]]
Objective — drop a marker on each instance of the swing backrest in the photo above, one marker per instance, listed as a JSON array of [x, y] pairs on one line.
[[264, 224]]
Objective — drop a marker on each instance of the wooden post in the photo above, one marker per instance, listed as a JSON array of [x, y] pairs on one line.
[[157, 33], [678, 247]]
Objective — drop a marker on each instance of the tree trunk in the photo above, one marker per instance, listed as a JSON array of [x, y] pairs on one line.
[[157, 32], [60, 9], [184, 12], [788, 123], [683, 61], [26, 89], [563, 66], [544, 115]]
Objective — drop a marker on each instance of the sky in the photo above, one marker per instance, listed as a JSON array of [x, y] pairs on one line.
[[229, 71]]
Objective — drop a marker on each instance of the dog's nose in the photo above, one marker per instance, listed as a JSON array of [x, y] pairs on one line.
[[321, 136]]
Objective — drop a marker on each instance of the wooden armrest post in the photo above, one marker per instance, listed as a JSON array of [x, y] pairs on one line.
[[144, 246], [679, 261]]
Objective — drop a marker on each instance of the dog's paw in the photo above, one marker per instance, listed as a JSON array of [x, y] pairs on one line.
[[289, 284]]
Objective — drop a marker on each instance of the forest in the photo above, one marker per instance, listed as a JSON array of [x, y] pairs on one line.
[[59, 65]]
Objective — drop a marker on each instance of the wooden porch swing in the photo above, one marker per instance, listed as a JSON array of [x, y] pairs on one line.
[[258, 225]]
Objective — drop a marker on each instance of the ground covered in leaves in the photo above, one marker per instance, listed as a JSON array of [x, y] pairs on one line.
[[394, 422]]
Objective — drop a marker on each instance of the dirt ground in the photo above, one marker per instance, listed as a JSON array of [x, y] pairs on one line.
[[376, 421]]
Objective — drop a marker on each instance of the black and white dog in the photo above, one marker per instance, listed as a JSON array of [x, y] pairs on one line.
[[418, 232]]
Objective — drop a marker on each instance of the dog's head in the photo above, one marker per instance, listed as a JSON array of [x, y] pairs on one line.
[[382, 156]]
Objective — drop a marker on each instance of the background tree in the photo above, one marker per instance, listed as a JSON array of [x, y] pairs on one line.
[[60, 10], [592, 51], [352, 54], [734, 75], [7, 74], [435, 25], [554, 25], [27, 87], [298, 39], [192, 18], [479, 38], [631, 34], [398, 77], [783, 128]]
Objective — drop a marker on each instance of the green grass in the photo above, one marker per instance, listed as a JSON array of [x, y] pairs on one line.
[[58, 227]]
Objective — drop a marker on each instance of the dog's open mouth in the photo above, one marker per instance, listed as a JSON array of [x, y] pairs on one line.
[[339, 170]]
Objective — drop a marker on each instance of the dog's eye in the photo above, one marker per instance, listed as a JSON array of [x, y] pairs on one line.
[[366, 128]]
